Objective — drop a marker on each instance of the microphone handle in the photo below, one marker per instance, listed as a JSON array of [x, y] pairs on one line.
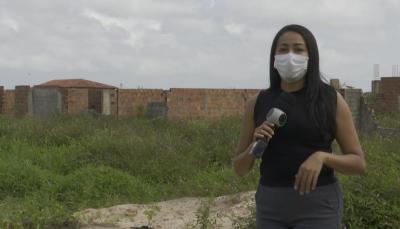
[[259, 146]]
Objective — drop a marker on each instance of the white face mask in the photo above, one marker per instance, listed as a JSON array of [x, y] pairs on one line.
[[291, 67]]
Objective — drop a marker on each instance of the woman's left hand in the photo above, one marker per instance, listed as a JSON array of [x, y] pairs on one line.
[[308, 173]]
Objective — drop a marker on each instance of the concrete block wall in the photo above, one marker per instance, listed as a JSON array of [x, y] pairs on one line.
[[77, 100], [46, 101], [196, 103], [353, 99], [130, 100], [23, 99], [367, 124], [362, 115]]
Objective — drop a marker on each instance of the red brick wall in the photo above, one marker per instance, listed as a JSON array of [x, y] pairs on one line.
[[186, 103], [21, 100], [390, 85], [183, 103], [9, 102], [387, 99], [129, 100], [77, 100]]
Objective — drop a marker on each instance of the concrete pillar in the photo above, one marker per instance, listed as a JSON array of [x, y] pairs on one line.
[[114, 102], [376, 87], [335, 83], [23, 100], [106, 108]]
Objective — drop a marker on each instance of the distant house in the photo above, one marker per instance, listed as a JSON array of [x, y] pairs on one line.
[[73, 96]]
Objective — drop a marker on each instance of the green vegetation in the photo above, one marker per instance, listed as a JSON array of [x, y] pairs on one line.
[[50, 169], [388, 120]]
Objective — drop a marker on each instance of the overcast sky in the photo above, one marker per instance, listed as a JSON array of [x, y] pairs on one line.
[[189, 43]]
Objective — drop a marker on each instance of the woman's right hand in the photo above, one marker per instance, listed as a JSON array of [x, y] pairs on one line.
[[266, 129]]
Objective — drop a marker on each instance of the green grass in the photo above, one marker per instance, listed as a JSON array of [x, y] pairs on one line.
[[50, 169], [388, 120]]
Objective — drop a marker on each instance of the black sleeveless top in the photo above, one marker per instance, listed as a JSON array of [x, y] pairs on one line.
[[292, 144]]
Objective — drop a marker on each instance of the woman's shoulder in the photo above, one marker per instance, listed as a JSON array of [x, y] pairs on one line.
[[262, 93], [258, 100], [329, 88], [330, 92], [266, 92]]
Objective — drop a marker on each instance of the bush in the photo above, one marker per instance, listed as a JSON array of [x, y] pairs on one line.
[[51, 168], [373, 201]]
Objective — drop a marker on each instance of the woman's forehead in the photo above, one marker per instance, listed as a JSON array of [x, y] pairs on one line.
[[291, 37]]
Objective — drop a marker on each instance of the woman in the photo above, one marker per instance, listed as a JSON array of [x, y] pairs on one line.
[[297, 186]]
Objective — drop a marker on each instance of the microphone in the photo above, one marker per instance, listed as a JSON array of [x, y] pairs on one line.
[[278, 117]]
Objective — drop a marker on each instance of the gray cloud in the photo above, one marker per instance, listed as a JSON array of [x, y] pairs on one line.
[[193, 43]]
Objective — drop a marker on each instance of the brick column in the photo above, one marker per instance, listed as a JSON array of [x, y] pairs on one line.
[[376, 85], [22, 100], [335, 83]]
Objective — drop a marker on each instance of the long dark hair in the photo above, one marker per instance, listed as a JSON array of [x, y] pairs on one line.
[[320, 97]]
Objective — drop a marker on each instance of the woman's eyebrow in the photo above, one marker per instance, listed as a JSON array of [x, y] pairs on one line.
[[298, 44]]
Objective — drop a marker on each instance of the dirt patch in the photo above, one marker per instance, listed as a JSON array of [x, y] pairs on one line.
[[189, 212]]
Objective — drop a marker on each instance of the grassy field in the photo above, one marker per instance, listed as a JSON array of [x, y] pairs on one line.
[[388, 120], [52, 168]]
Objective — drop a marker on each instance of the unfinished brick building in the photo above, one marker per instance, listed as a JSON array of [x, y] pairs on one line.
[[387, 94]]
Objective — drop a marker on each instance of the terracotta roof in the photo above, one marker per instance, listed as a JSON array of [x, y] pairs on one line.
[[75, 83]]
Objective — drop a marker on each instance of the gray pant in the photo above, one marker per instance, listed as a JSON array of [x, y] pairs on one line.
[[285, 208]]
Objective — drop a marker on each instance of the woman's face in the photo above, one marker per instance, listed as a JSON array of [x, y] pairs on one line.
[[291, 42]]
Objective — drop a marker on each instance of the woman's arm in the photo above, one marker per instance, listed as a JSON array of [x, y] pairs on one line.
[[242, 161], [352, 159], [350, 162]]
